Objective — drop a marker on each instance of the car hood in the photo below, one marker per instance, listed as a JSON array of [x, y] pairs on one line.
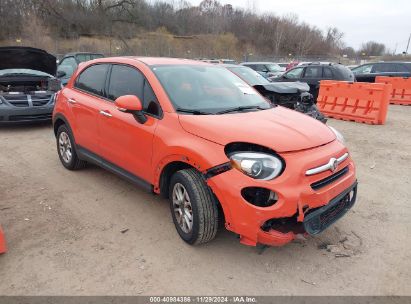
[[27, 58], [287, 87], [280, 129]]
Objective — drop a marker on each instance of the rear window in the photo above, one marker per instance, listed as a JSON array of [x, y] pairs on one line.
[[403, 67], [384, 67]]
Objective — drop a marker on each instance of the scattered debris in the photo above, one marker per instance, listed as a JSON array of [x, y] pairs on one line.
[[357, 236], [342, 255], [323, 246], [334, 248], [307, 282], [124, 230]]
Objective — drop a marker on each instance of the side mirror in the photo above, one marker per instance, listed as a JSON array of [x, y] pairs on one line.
[[61, 74], [131, 104]]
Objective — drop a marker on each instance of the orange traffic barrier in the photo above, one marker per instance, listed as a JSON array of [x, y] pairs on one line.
[[401, 89], [354, 101], [3, 247]]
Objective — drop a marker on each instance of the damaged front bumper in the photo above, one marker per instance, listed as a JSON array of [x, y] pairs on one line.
[[301, 206]]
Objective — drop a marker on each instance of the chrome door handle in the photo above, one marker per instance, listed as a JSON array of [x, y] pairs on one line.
[[106, 114], [71, 100]]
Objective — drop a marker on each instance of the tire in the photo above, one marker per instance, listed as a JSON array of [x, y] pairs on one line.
[[204, 211], [65, 138]]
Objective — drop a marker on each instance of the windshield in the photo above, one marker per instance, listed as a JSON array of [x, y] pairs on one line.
[[17, 72], [207, 89], [249, 75], [273, 67]]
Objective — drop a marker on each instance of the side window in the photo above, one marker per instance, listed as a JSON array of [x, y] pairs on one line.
[[68, 65], [125, 80], [150, 102], [294, 73], [93, 79], [401, 68], [383, 67], [313, 72], [328, 73]]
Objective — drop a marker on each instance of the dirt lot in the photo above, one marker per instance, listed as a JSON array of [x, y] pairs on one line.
[[64, 230]]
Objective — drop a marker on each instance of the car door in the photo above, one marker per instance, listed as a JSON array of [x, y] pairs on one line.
[[68, 66], [124, 141], [312, 76], [85, 100]]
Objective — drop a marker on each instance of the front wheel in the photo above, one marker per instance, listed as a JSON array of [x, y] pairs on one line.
[[193, 207]]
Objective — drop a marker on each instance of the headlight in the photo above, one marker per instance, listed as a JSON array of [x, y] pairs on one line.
[[339, 136], [257, 165]]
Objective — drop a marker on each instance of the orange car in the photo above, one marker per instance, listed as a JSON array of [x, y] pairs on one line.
[[199, 135]]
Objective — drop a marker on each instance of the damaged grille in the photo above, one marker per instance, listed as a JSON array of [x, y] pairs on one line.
[[329, 179], [319, 219]]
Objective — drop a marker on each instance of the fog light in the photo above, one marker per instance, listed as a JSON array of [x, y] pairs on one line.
[[259, 197]]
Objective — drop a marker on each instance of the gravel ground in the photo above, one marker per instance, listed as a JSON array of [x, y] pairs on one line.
[[92, 233]]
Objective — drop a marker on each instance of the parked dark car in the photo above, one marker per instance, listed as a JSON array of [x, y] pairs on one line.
[[266, 69], [27, 85], [367, 72], [292, 95], [69, 63], [314, 72]]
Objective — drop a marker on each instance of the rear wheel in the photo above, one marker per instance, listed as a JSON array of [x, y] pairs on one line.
[[66, 150], [193, 207]]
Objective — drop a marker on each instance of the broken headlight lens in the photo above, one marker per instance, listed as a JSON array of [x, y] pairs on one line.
[[339, 136], [257, 165]]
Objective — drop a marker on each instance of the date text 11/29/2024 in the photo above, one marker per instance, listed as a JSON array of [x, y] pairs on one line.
[[204, 299]]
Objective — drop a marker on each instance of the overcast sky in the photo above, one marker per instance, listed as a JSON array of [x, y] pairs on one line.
[[386, 21]]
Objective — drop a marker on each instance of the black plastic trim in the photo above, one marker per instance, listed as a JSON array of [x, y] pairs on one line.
[[329, 179], [91, 157], [312, 222], [217, 170]]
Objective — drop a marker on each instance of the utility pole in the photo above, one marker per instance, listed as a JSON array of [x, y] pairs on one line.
[[408, 45]]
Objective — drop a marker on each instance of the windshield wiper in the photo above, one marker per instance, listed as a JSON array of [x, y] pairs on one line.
[[240, 109], [194, 112]]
